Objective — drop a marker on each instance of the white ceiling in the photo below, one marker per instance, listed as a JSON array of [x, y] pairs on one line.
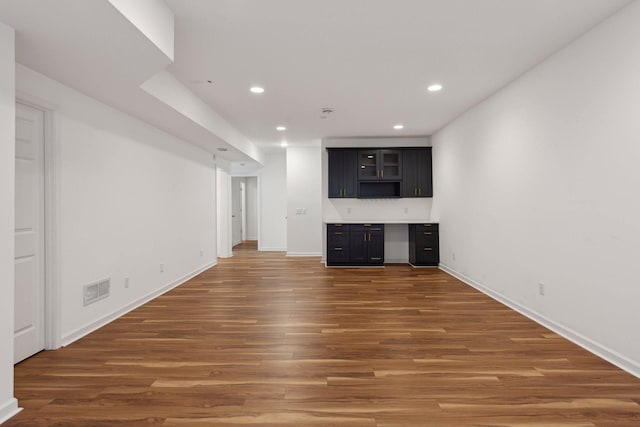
[[370, 60]]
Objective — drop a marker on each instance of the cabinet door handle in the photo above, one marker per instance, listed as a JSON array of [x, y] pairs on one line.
[[369, 236], [427, 249], [382, 173], [419, 191], [364, 237], [337, 233], [415, 191], [337, 249], [375, 258], [427, 233]]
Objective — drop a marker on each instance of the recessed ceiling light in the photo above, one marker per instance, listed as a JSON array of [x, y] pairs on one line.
[[257, 89], [283, 144], [434, 87], [398, 127], [281, 128]]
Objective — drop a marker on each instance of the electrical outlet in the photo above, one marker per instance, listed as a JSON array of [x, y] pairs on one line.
[[161, 268], [126, 283], [406, 210], [541, 288], [348, 210], [201, 252]]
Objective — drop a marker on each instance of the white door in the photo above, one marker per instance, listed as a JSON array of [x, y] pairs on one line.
[[236, 211], [29, 233]]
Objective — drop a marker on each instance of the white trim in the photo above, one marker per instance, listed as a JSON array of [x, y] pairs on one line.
[[87, 329], [303, 254], [274, 249], [52, 294], [588, 344], [34, 102], [396, 261], [8, 409]]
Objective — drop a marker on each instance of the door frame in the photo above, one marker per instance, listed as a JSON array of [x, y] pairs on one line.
[[52, 293], [243, 209]]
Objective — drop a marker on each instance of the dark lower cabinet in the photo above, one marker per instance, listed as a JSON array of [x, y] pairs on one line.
[[355, 244], [367, 244], [424, 246], [338, 240]]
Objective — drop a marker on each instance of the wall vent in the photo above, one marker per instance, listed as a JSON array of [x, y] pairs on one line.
[[96, 291]]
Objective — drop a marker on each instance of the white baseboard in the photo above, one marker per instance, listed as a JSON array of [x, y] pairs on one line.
[[85, 330], [396, 261], [301, 254], [8, 409], [272, 249], [588, 344]]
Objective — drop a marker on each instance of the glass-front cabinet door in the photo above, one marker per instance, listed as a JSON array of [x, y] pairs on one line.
[[379, 165], [368, 165], [390, 164]]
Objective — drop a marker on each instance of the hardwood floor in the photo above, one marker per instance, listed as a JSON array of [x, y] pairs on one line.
[[267, 340]]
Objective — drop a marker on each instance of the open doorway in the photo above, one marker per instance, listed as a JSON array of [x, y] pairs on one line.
[[244, 209]]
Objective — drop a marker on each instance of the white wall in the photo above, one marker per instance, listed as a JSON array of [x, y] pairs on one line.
[[8, 405], [252, 207], [273, 203], [304, 201], [539, 184], [130, 198]]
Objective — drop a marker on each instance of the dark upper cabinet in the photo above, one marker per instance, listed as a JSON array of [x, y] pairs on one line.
[[380, 173], [379, 165], [343, 167], [417, 178]]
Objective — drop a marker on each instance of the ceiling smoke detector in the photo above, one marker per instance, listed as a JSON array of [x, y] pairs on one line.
[[325, 112]]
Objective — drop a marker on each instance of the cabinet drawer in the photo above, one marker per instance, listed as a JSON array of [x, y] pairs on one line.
[[420, 228], [367, 227], [338, 227], [337, 238], [337, 254], [427, 238], [427, 255]]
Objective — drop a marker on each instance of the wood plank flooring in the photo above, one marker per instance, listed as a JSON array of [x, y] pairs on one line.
[[267, 340]]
